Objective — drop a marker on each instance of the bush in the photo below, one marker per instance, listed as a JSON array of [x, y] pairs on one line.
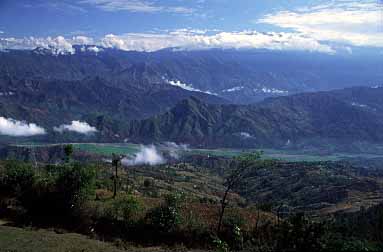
[[165, 218], [125, 208], [221, 246], [76, 183], [19, 177], [148, 183], [233, 223], [57, 195], [233, 219]]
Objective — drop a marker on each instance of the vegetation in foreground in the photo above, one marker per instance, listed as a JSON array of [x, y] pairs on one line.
[[38, 240], [76, 197]]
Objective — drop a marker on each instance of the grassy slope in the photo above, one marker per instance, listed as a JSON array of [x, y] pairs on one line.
[[17, 239], [30, 240]]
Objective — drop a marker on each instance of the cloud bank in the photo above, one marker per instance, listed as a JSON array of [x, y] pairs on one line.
[[225, 40], [58, 45], [11, 127], [352, 22], [76, 126], [148, 155], [182, 39], [319, 28]]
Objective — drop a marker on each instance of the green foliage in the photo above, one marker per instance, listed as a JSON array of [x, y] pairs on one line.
[[232, 220], [347, 244], [56, 193], [148, 183], [166, 217], [125, 207], [19, 177], [220, 245], [233, 223], [174, 199], [249, 158], [265, 206], [68, 150], [298, 233], [76, 182]]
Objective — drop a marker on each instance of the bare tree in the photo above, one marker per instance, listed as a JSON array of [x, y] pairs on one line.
[[116, 161], [242, 165]]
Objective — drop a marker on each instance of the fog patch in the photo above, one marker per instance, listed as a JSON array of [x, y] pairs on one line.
[[11, 127], [188, 87], [244, 135], [76, 126], [174, 150], [148, 155]]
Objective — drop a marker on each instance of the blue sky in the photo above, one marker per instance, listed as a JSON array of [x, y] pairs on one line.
[[149, 25], [100, 17]]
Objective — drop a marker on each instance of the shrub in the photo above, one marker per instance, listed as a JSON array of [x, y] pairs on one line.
[[59, 194], [77, 182], [233, 223], [166, 217], [125, 208], [148, 183], [233, 219], [19, 176], [221, 246]]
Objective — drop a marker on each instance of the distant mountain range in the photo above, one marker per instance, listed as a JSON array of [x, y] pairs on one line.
[[206, 98], [240, 76], [344, 119]]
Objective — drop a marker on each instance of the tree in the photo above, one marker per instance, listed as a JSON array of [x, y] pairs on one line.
[[166, 217], [68, 150], [242, 166], [75, 183], [126, 207], [116, 160], [19, 177]]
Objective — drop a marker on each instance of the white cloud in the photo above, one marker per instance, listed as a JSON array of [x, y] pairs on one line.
[[188, 87], [135, 6], [351, 22], [147, 155], [270, 90], [82, 40], [76, 126], [233, 40], [58, 45], [11, 127], [94, 49], [245, 135], [183, 39], [174, 150], [233, 89]]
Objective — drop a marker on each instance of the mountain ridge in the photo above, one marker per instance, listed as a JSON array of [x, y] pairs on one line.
[[276, 122], [241, 76]]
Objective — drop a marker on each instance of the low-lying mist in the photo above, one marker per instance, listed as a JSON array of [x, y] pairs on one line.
[[148, 155], [154, 155]]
